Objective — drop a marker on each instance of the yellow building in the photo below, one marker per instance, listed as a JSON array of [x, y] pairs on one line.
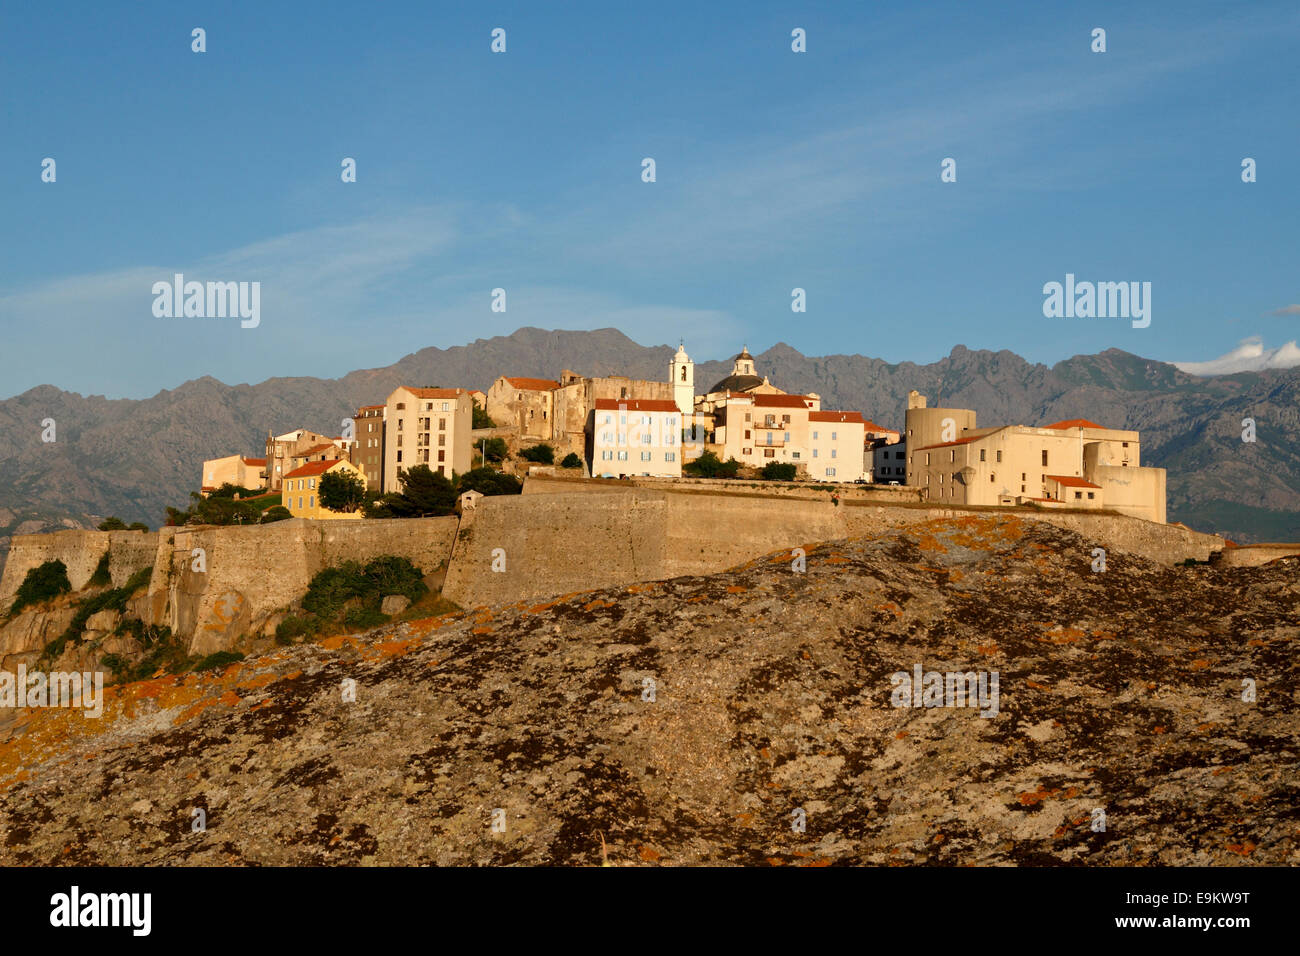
[[301, 491], [1068, 464], [427, 426]]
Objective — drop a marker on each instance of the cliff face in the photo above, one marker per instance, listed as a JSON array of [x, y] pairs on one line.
[[685, 721]]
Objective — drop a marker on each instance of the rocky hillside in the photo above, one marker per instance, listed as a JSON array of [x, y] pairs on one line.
[[1119, 690], [134, 458]]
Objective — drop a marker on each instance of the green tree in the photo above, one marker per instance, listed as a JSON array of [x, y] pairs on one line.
[[424, 492], [342, 491], [571, 460], [112, 524], [495, 449], [487, 481], [542, 453], [275, 513], [481, 419], [41, 583], [779, 471], [709, 466]]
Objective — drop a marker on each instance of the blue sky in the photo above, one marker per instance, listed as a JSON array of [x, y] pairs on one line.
[[522, 170]]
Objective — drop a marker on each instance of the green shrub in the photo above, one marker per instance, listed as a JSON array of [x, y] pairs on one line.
[[112, 524], [487, 481], [709, 466], [292, 628], [779, 471], [479, 418], [542, 453], [364, 617], [138, 580], [495, 449], [101, 577], [275, 513], [42, 583], [571, 460], [218, 660]]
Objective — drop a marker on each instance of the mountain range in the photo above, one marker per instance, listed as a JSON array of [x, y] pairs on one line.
[[132, 458]]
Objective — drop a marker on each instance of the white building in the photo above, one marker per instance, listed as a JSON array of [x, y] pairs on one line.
[[635, 436]]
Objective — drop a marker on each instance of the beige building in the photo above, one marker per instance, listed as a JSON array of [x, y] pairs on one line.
[[635, 436], [233, 470], [301, 491], [427, 426], [1074, 463], [835, 441], [524, 404], [368, 450]]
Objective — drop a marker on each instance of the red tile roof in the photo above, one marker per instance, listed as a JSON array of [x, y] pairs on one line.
[[434, 392], [873, 427], [782, 401], [1074, 423], [853, 418], [637, 404], [534, 384], [254, 461], [370, 408], [313, 468], [1070, 481]]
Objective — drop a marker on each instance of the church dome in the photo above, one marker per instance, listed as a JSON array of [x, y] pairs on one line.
[[737, 383]]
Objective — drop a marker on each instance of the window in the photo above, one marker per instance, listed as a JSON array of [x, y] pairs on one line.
[[609, 420], [442, 424], [300, 502], [830, 472], [1022, 476], [1022, 489], [1078, 495], [815, 452], [999, 458], [834, 436], [746, 416], [670, 456], [311, 483], [794, 455], [992, 475], [606, 456], [785, 419], [442, 441], [746, 432], [1044, 457], [897, 454], [442, 469], [834, 453], [401, 407], [1091, 496], [747, 451], [952, 454], [399, 457], [442, 456], [622, 456], [645, 456], [769, 453], [1123, 444], [311, 501], [814, 436], [446, 407], [981, 454], [927, 458]]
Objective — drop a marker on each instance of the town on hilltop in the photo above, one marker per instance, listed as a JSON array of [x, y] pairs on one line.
[[612, 427]]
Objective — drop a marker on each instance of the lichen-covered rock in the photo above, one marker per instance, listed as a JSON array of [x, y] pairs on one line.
[[738, 718]]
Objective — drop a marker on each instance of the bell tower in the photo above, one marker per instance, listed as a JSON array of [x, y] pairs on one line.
[[681, 372]]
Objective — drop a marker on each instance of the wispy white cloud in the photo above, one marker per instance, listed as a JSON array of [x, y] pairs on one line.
[[1250, 355], [1287, 310]]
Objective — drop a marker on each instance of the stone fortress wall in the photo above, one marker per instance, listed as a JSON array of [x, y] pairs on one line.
[[552, 540]]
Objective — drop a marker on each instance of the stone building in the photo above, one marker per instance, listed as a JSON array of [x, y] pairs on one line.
[[283, 450], [427, 426], [524, 404]]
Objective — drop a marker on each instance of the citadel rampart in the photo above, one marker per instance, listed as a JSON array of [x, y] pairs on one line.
[[508, 548]]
